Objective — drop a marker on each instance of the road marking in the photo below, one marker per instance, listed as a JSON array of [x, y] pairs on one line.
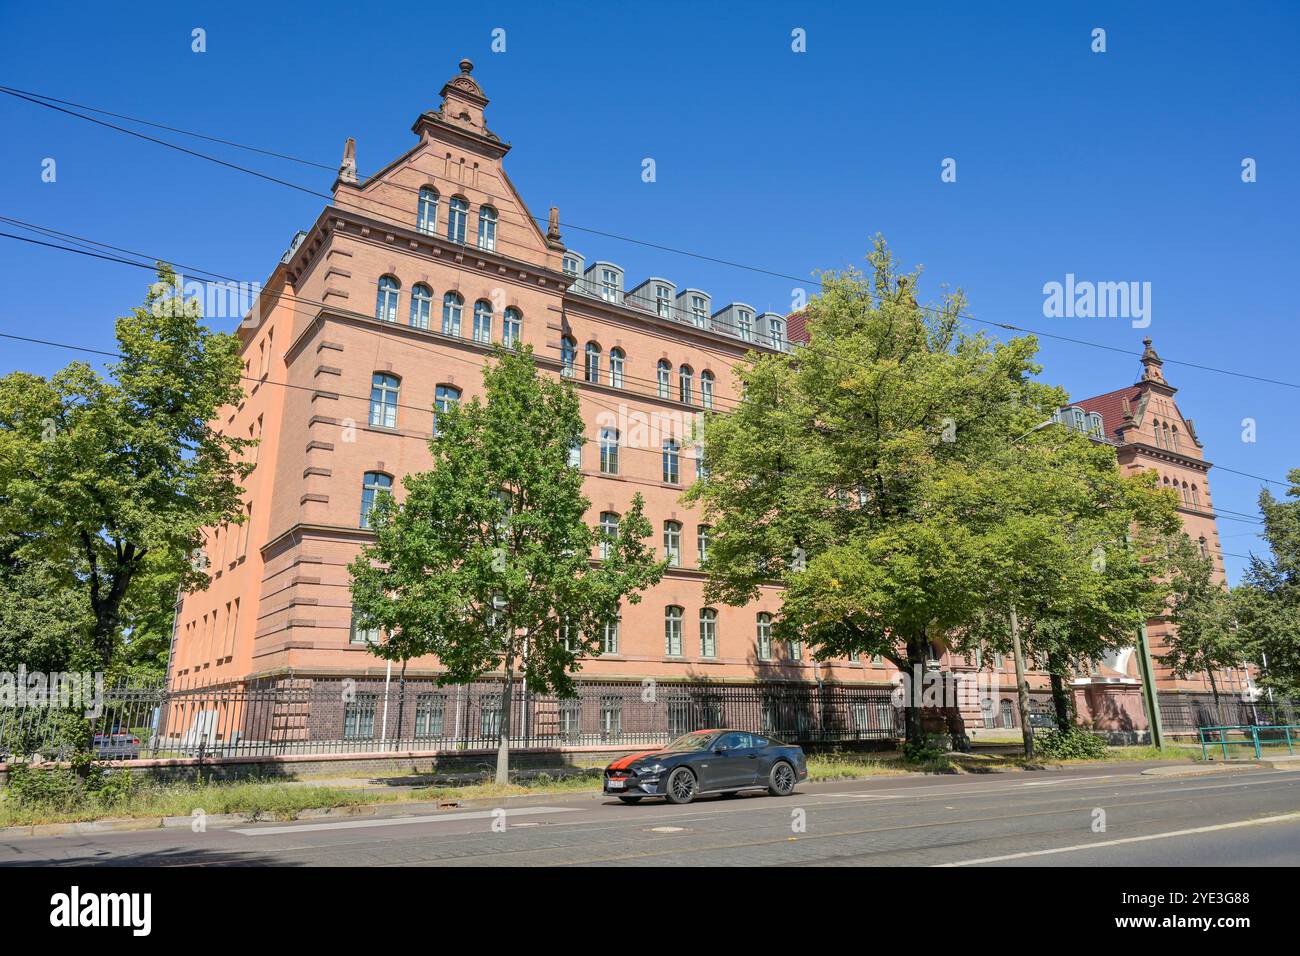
[[1057, 783], [861, 796], [401, 821], [1140, 839]]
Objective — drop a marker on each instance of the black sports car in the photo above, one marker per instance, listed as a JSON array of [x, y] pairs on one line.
[[708, 761]]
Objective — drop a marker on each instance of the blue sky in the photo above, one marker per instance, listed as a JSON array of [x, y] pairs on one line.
[[1115, 166]]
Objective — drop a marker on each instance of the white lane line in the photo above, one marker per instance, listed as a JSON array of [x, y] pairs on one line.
[[401, 821], [1140, 839], [862, 796], [1057, 783]]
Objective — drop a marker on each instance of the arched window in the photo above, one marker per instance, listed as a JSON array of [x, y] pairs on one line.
[[673, 543], [457, 217], [1168, 441], [685, 384], [384, 390], [672, 462], [483, 321], [1008, 715], [386, 303], [708, 632], [568, 356], [591, 362], [701, 463], [706, 388], [702, 543], [426, 219], [1187, 494], [444, 397], [487, 228], [608, 532], [764, 636], [452, 305], [663, 372], [1196, 497], [372, 484], [1160, 441], [1173, 435], [673, 631], [512, 327], [1201, 546], [421, 305], [616, 361], [609, 451]]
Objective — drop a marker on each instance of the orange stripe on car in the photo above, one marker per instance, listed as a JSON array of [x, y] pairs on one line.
[[630, 759]]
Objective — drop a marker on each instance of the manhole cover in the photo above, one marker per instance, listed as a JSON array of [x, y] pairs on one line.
[[666, 829]]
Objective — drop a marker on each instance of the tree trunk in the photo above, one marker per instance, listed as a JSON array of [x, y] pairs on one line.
[[1022, 686], [1214, 689], [914, 712], [401, 698], [503, 737], [1060, 697], [107, 607]]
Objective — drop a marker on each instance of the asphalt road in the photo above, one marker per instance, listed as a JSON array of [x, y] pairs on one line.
[[1047, 818]]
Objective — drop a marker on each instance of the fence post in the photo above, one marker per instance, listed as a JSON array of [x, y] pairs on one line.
[[1254, 735]]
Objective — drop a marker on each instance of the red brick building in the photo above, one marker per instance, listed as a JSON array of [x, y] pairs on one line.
[[387, 307]]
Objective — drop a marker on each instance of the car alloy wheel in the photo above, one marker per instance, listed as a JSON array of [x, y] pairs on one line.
[[681, 786], [781, 782]]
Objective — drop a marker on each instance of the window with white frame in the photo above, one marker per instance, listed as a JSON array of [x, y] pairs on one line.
[[568, 356], [699, 311], [672, 462], [609, 637], [616, 362], [673, 543], [609, 451], [457, 217], [764, 641], [452, 306], [372, 484], [708, 632], [426, 218], [384, 391], [745, 324], [673, 631], [483, 322], [512, 327], [663, 301], [685, 384], [591, 363], [608, 533], [663, 374], [609, 285], [706, 388], [702, 543], [362, 635], [444, 396], [421, 305], [386, 301], [487, 228]]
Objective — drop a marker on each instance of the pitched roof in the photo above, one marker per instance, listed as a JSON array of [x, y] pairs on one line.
[[1110, 406], [796, 327]]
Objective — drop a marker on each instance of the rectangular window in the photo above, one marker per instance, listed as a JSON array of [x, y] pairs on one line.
[[708, 633], [609, 451], [489, 724], [699, 311], [764, 637], [663, 302], [359, 717], [609, 638], [430, 710], [673, 632], [611, 718], [673, 543], [570, 719], [609, 285]]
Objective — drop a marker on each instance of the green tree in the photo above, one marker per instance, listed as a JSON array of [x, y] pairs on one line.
[[1267, 602], [45, 619], [1075, 546], [487, 562], [836, 474], [107, 478], [1205, 638]]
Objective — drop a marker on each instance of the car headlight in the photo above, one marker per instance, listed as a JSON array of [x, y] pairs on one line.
[[653, 770]]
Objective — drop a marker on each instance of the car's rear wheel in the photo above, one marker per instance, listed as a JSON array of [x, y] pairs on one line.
[[781, 779], [630, 799], [681, 786]]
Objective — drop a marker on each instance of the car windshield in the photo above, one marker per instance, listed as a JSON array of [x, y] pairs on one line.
[[696, 741]]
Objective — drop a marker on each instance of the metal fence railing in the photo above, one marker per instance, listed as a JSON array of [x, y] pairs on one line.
[[1258, 738], [1188, 713], [331, 715]]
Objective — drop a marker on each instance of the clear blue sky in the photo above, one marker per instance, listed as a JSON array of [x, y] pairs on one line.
[[1117, 166]]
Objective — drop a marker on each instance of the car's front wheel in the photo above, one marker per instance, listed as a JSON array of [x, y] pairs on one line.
[[681, 786], [781, 779]]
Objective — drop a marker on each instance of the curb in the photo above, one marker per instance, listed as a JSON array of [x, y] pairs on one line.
[[1205, 771]]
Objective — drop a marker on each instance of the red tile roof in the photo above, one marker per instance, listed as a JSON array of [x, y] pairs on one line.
[[796, 327], [1110, 406]]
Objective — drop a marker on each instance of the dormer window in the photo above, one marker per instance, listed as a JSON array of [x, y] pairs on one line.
[[745, 325], [699, 311], [571, 266], [663, 301], [609, 285], [776, 329]]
